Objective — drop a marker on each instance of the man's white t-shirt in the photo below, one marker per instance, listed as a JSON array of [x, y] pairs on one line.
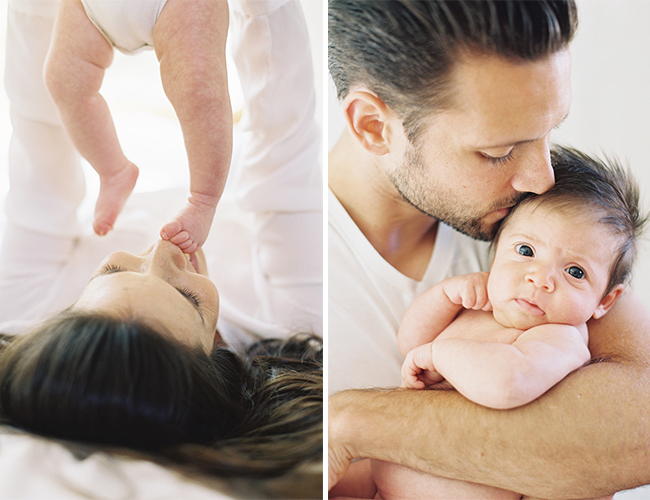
[[368, 297]]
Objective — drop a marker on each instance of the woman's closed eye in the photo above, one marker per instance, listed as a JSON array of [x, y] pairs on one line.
[[110, 268], [190, 295], [186, 292]]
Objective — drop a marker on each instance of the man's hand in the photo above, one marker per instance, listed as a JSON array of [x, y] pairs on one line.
[[338, 456], [338, 463]]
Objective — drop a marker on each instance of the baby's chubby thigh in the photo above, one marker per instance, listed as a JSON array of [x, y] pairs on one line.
[[395, 482]]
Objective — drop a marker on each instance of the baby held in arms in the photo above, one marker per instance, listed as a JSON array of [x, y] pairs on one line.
[[189, 39], [505, 338]]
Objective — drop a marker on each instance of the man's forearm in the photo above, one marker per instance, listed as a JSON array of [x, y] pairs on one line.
[[586, 437]]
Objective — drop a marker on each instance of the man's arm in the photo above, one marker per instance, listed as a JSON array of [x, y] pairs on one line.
[[586, 437]]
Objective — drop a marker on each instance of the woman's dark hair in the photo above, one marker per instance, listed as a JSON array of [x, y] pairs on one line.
[[403, 50], [603, 191], [95, 379]]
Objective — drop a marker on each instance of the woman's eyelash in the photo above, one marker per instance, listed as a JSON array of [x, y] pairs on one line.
[[191, 295], [111, 268]]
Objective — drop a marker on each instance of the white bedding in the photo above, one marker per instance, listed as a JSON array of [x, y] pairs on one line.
[[36, 468]]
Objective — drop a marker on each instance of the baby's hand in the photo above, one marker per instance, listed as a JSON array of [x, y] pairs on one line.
[[418, 371], [469, 290]]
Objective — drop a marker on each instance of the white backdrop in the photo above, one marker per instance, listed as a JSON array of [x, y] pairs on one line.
[[134, 93]]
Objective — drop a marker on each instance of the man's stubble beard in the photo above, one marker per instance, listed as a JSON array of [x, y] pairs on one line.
[[443, 206]]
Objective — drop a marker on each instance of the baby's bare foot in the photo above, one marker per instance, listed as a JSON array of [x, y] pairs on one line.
[[113, 193], [190, 227]]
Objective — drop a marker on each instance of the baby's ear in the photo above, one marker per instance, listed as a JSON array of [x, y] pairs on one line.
[[607, 303]]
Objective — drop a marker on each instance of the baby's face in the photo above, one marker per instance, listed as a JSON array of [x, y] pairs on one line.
[[550, 266]]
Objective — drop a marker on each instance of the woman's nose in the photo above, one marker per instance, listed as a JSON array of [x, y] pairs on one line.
[[165, 257]]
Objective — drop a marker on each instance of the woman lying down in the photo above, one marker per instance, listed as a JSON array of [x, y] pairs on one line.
[[144, 358]]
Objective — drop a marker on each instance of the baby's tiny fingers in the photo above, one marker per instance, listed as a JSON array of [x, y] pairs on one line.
[[469, 298]]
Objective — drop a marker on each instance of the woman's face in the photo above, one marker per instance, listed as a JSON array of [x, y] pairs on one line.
[[162, 287]]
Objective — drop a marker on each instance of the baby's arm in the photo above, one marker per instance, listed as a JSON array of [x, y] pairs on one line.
[[190, 41], [74, 71], [435, 309], [499, 375]]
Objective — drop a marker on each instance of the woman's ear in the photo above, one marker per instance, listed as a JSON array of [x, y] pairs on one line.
[[607, 303], [367, 118]]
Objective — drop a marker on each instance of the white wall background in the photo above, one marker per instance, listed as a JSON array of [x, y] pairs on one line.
[[611, 97], [142, 113]]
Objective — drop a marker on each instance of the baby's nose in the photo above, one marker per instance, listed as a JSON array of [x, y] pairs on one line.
[[542, 277]]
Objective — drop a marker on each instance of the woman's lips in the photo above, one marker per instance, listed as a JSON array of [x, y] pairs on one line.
[[530, 307]]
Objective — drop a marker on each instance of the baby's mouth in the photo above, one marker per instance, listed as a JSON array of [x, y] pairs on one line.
[[530, 307]]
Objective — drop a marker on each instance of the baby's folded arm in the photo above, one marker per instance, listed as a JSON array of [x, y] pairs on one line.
[[503, 376], [427, 316]]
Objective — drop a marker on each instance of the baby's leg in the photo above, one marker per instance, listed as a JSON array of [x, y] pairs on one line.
[[114, 189], [194, 76], [74, 71], [397, 482], [606, 497], [191, 225], [357, 482]]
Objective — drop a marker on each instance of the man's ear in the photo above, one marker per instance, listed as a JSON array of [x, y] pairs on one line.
[[367, 118], [607, 303]]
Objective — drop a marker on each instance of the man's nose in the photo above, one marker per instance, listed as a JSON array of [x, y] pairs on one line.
[[535, 174]]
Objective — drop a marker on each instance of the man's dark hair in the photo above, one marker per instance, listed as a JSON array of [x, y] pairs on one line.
[[404, 50]]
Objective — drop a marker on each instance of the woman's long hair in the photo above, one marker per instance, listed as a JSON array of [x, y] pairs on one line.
[[94, 379]]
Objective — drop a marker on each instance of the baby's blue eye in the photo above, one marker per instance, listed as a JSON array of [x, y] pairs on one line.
[[525, 250], [576, 272]]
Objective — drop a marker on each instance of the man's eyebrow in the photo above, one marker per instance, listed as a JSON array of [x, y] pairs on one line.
[[116, 269], [525, 141]]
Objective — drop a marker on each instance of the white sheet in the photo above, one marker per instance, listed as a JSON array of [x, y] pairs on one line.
[[36, 468]]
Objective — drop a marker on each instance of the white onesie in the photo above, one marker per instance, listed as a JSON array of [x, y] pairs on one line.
[[126, 24]]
